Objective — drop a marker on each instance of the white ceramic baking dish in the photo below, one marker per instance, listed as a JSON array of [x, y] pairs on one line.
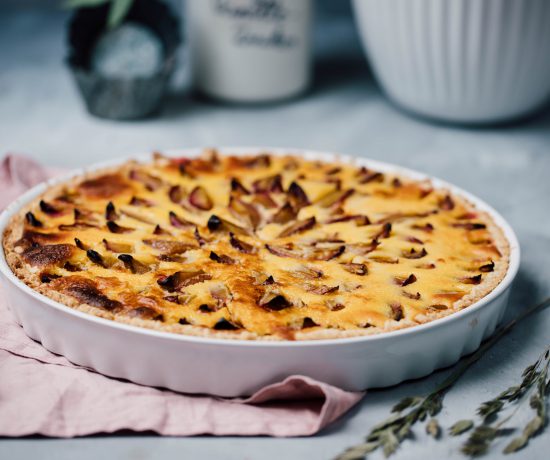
[[238, 367]]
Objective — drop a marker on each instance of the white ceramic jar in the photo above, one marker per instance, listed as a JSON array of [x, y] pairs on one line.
[[472, 61], [250, 50]]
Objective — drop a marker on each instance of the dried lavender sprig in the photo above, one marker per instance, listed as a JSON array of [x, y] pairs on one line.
[[390, 433], [534, 377]]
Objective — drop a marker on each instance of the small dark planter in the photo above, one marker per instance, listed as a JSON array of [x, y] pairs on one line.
[[122, 98]]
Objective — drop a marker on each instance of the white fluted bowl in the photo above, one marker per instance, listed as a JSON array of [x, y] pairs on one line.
[[470, 61]]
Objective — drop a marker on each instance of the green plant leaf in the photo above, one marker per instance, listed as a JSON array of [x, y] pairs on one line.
[[71, 4], [117, 12], [460, 427], [516, 444], [358, 452], [433, 429]]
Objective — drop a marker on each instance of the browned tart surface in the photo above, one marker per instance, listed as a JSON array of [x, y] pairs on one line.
[[256, 247]]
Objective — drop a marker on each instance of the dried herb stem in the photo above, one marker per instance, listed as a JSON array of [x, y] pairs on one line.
[[390, 433], [534, 382]]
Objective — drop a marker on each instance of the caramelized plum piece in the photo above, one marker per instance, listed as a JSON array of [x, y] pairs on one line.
[[333, 171], [257, 161], [488, 267], [322, 289], [76, 226], [273, 300], [363, 249], [110, 212], [384, 259], [265, 200], [305, 272], [150, 182], [356, 269], [86, 217], [71, 267], [200, 199], [447, 203], [384, 232], [359, 219], [240, 245], [145, 313], [472, 279], [428, 228], [135, 266], [297, 197], [364, 176], [199, 237], [220, 294], [179, 222], [298, 227], [269, 184], [205, 308], [80, 244], [412, 239], [244, 211], [334, 304], [185, 170], [268, 281], [181, 279], [396, 311], [221, 259], [176, 194], [115, 228], [170, 247], [408, 295], [428, 266], [306, 253], [95, 257], [308, 323], [409, 280], [335, 198], [136, 201], [470, 225], [114, 246], [414, 254], [284, 215], [160, 231], [32, 220], [49, 209], [225, 325], [467, 216], [216, 224], [238, 188], [48, 277]]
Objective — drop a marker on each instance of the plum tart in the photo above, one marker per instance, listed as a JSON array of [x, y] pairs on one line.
[[262, 246]]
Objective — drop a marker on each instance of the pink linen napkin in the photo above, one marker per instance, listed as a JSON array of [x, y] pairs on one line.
[[43, 393]]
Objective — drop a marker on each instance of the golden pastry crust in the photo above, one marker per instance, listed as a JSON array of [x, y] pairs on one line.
[[259, 247]]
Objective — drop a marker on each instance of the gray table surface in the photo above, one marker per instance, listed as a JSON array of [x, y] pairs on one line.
[[42, 115]]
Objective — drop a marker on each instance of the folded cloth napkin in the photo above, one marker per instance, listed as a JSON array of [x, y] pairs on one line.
[[43, 393]]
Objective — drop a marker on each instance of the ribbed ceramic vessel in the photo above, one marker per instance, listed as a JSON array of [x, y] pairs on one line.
[[469, 61], [239, 367]]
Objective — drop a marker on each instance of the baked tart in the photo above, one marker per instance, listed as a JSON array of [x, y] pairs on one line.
[[264, 247]]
